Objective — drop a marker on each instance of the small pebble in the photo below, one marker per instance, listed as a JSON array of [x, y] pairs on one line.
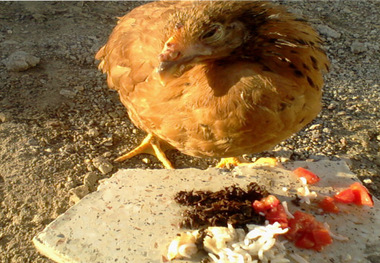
[[67, 93], [113, 115], [77, 193], [315, 126], [79, 88], [90, 180], [4, 117], [107, 154], [102, 165], [341, 113], [49, 150], [328, 31], [358, 47], [326, 130], [146, 160], [367, 181], [37, 219], [93, 132]]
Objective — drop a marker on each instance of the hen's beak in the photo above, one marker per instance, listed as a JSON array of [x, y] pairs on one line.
[[174, 59], [170, 59], [168, 70]]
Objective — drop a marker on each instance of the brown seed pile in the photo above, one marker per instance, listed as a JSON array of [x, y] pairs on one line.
[[231, 205]]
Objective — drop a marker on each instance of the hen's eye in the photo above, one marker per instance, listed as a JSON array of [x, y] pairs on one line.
[[213, 34], [210, 33]]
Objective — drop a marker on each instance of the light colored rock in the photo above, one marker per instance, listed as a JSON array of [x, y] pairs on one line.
[[37, 219], [79, 88], [68, 93], [358, 47], [20, 61], [77, 193], [90, 180], [315, 126], [146, 160], [103, 165], [93, 132], [328, 31], [4, 117]]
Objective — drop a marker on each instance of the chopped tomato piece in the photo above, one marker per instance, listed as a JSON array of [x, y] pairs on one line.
[[305, 241], [298, 225], [277, 214], [265, 203], [362, 196], [356, 194], [273, 210], [322, 237], [311, 178], [346, 196], [328, 205], [307, 232]]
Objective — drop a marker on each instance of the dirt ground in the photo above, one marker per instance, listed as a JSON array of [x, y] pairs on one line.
[[61, 127]]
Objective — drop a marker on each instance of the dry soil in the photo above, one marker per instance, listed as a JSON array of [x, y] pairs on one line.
[[61, 127]]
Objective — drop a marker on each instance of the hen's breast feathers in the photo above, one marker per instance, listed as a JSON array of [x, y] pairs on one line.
[[266, 91]]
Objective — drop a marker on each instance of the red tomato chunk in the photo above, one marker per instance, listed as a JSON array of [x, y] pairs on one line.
[[277, 214], [273, 210], [311, 178], [328, 205], [265, 203], [362, 196], [307, 232], [346, 196], [356, 194]]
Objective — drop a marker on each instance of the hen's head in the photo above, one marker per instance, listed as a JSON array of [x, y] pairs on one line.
[[207, 31]]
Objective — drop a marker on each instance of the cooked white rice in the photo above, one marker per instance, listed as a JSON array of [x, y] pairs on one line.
[[304, 192], [259, 245]]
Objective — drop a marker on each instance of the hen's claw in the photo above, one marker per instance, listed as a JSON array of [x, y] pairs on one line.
[[150, 146]]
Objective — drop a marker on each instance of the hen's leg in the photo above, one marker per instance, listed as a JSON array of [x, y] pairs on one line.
[[235, 161], [151, 146]]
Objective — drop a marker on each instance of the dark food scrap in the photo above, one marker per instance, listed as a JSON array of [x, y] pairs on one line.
[[231, 205], [296, 201]]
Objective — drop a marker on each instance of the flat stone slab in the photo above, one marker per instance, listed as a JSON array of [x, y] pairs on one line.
[[132, 217]]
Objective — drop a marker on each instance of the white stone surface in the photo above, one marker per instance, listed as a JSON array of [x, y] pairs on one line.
[[132, 217]]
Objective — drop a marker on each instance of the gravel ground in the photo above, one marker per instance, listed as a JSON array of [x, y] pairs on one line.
[[61, 127]]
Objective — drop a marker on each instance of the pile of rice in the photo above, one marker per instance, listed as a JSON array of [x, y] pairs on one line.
[[259, 245], [230, 245]]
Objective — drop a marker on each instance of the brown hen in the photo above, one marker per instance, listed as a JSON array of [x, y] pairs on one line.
[[215, 79]]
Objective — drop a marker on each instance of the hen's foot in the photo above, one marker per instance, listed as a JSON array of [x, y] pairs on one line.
[[235, 161], [151, 146]]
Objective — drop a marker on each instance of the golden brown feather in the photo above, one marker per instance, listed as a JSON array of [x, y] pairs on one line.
[[220, 78]]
